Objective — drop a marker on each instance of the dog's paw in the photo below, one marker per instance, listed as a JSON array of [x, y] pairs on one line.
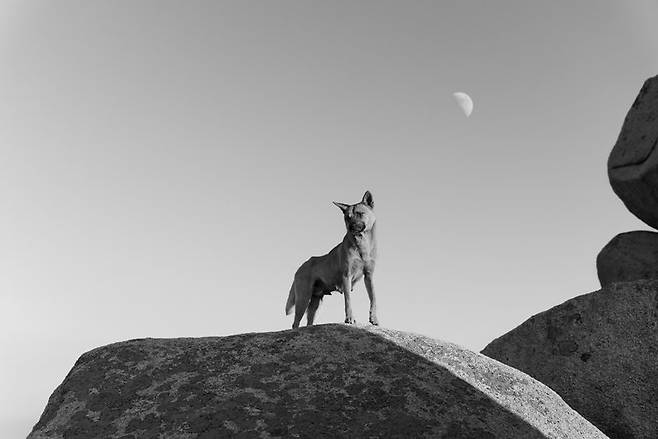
[[350, 321], [374, 321]]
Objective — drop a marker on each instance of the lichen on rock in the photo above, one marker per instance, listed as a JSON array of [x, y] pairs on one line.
[[327, 381]]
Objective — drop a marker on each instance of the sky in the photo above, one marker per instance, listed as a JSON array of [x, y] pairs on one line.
[[165, 166]]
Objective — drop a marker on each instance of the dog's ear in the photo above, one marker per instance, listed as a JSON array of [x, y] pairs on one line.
[[342, 206], [367, 200]]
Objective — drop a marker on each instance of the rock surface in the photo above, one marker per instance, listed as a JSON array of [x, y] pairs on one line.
[[327, 381], [599, 351], [628, 257], [633, 161]]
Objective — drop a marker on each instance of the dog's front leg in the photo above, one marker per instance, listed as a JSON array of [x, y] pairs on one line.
[[370, 287], [347, 289]]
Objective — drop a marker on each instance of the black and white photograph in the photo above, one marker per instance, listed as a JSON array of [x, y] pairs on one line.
[[328, 219]]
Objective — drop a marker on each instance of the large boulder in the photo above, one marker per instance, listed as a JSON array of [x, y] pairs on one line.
[[633, 161], [328, 381], [628, 257], [599, 351]]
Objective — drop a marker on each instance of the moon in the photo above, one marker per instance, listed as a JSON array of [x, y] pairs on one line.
[[464, 101]]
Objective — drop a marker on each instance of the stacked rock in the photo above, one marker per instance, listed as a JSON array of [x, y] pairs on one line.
[[599, 350], [633, 174]]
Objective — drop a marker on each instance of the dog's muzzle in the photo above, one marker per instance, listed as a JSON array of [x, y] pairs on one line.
[[357, 227]]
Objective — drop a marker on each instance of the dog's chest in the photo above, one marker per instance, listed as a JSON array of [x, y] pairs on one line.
[[356, 267], [359, 261]]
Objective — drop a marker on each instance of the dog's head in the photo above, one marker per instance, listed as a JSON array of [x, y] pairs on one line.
[[360, 217]]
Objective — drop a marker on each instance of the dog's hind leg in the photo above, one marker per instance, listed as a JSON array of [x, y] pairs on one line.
[[302, 299], [312, 309]]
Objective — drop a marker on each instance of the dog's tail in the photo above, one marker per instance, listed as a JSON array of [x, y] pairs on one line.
[[291, 300]]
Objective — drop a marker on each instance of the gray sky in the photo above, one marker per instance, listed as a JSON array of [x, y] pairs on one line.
[[165, 167]]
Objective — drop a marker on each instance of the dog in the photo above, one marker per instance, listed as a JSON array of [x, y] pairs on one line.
[[338, 270]]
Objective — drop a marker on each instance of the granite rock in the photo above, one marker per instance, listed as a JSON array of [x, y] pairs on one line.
[[599, 351], [326, 381], [633, 161], [628, 257]]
